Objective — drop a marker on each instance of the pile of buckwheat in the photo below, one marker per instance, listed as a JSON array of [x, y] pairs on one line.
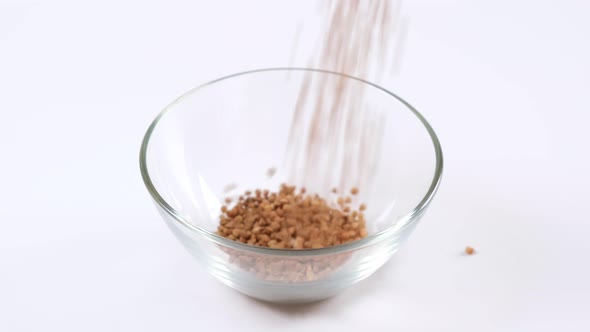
[[291, 219]]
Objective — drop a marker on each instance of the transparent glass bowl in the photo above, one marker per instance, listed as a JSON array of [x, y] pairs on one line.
[[229, 132]]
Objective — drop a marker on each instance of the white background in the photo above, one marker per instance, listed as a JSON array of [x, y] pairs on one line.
[[504, 83]]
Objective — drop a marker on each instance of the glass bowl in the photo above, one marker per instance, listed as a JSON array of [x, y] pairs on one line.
[[229, 135]]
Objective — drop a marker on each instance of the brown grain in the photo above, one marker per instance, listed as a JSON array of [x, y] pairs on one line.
[[335, 136], [290, 219]]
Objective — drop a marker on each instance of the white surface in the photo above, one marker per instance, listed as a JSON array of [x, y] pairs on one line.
[[504, 83]]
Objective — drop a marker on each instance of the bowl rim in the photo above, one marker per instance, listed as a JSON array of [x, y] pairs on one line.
[[406, 221]]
